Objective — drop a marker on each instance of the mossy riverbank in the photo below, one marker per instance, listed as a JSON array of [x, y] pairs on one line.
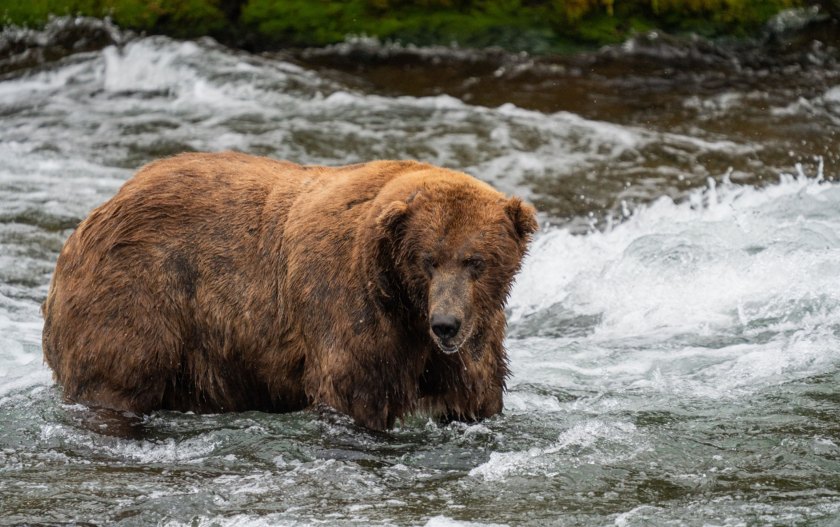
[[536, 26]]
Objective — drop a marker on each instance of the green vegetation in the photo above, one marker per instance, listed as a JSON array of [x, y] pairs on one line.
[[181, 18], [535, 25]]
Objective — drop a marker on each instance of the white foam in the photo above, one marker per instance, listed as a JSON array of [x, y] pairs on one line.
[[12, 92], [528, 403], [140, 66], [679, 267], [722, 295], [832, 95], [592, 441], [171, 451], [825, 106], [238, 520], [446, 521], [20, 353]]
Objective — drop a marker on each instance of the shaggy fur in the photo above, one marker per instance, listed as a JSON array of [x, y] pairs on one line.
[[227, 282]]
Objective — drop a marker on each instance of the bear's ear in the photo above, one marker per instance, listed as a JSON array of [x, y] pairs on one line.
[[392, 217], [523, 216]]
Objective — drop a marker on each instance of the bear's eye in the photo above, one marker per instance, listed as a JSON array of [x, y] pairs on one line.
[[429, 263], [474, 264]]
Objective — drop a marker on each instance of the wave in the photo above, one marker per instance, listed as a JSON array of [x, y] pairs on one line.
[[730, 291]]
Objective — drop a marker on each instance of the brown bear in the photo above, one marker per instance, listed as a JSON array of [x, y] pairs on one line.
[[228, 282]]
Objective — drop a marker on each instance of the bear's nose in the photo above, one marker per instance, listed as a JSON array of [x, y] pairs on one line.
[[445, 326]]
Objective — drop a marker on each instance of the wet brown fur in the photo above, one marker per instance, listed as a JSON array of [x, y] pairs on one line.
[[227, 282]]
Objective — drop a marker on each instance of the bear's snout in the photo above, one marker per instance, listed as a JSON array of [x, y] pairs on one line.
[[446, 327], [449, 310]]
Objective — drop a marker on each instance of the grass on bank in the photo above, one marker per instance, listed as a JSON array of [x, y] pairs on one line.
[[532, 25]]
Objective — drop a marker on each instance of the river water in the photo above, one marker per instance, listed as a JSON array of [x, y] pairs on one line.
[[674, 335]]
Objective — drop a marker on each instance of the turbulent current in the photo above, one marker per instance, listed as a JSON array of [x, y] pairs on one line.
[[674, 335]]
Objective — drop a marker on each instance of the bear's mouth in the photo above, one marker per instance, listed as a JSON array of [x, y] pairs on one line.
[[446, 347], [450, 345]]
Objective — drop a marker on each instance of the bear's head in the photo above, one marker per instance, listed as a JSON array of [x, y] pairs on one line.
[[454, 245]]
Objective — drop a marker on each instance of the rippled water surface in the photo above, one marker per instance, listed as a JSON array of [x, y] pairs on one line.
[[674, 335]]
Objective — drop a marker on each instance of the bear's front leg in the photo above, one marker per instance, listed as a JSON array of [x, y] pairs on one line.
[[370, 410], [360, 392]]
